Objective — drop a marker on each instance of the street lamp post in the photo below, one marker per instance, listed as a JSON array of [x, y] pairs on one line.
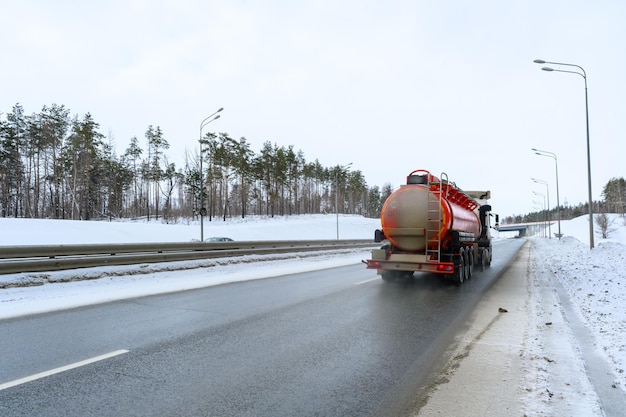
[[339, 169], [558, 203], [584, 75], [548, 198], [204, 122], [544, 207], [539, 206]]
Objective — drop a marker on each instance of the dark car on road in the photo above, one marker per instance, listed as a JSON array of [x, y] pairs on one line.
[[218, 239]]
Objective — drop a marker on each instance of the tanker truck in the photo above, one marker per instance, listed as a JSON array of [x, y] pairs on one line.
[[431, 225]]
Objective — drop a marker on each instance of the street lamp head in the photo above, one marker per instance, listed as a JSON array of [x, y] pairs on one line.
[[547, 69], [221, 108], [216, 117], [539, 61]]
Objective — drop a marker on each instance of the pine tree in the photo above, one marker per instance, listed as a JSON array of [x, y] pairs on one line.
[[156, 145]]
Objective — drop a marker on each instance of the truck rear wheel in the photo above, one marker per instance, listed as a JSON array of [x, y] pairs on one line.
[[470, 263], [389, 276], [460, 270], [482, 254]]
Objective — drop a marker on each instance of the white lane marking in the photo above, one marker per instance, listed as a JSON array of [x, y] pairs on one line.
[[61, 369], [366, 281]]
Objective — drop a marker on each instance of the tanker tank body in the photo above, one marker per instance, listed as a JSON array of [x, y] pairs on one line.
[[430, 225]]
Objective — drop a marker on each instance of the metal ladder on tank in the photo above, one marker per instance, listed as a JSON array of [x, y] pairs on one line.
[[433, 226]]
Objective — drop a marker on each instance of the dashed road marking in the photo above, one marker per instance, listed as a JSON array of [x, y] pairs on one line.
[[366, 281], [61, 369]]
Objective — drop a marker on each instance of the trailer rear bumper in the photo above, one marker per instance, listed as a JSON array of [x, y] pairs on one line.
[[412, 262], [397, 265]]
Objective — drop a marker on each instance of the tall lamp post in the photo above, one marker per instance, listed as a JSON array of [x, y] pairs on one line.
[[584, 75], [204, 122], [548, 198], [544, 207], [539, 206], [339, 169], [558, 203]]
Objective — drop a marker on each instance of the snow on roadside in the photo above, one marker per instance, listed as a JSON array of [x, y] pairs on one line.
[[26, 294], [595, 281], [30, 279], [556, 379]]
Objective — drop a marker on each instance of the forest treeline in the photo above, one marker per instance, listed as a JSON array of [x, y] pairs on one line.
[[613, 201], [57, 166]]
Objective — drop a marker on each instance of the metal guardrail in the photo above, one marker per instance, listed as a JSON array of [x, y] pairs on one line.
[[15, 259]]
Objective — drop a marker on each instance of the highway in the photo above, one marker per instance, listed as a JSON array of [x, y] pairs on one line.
[[337, 342]]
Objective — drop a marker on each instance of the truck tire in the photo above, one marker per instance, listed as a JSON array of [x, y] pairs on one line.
[[390, 276], [483, 258], [459, 270]]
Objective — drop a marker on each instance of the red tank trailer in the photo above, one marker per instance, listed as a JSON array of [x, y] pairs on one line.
[[431, 225]]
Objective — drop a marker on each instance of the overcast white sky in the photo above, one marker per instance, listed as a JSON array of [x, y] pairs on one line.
[[389, 86]]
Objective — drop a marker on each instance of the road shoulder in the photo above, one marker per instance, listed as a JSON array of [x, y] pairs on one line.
[[518, 355], [484, 373]]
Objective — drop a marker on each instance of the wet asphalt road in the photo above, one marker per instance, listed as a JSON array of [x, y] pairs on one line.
[[338, 342]]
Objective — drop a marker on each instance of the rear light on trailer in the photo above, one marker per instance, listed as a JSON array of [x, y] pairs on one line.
[[445, 268]]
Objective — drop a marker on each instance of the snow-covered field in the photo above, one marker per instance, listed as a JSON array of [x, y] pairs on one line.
[[594, 281], [58, 232]]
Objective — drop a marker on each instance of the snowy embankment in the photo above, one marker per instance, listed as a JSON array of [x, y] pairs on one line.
[[575, 351], [595, 282]]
